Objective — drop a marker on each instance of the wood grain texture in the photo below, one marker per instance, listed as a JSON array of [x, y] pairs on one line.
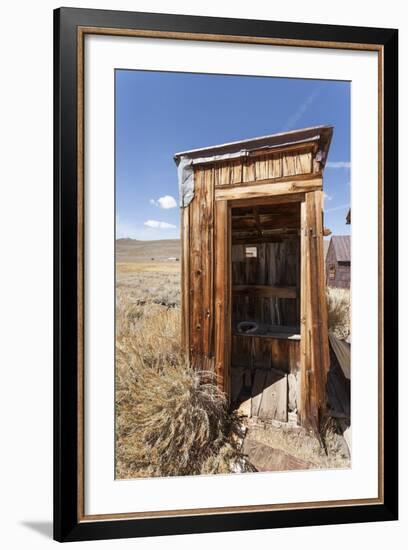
[[270, 189], [314, 335], [261, 165], [221, 296], [198, 272], [277, 266], [274, 402], [265, 352], [185, 281], [207, 253]]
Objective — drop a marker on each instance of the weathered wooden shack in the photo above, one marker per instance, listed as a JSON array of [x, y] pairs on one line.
[[338, 262], [253, 284]]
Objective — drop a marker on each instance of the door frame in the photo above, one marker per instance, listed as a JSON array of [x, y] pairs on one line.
[[223, 274]]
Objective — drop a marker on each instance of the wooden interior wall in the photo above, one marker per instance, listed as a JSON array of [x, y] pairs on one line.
[[260, 352], [277, 264]]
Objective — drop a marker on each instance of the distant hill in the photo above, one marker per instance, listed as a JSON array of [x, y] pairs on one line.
[[132, 250]]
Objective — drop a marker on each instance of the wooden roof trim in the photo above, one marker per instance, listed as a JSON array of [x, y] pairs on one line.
[[320, 134]]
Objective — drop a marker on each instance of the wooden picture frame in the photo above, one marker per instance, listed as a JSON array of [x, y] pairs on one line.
[[70, 28]]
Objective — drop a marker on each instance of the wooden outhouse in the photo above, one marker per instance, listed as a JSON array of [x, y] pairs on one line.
[[253, 285]]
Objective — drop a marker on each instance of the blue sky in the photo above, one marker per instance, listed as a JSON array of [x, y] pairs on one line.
[[159, 114]]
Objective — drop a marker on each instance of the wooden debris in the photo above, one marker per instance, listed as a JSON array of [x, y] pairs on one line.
[[338, 389], [268, 459], [342, 350]]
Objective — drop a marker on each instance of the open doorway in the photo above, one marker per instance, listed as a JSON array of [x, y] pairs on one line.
[[265, 308]]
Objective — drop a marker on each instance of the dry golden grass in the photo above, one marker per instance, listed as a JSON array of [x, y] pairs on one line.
[[147, 267], [338, 309], [139, 283], [170, 420]]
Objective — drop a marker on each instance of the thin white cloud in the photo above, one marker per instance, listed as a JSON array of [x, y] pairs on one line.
[[297, 115], [327, 197], [159, 225], [165, 202], [340, 207], [129, 229], [338, 164]]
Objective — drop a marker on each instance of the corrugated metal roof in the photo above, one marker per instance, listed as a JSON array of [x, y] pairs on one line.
[[322, 134], [341, 244]]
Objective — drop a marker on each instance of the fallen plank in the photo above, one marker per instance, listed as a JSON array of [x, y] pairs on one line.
[[268, 459], [342, 351]]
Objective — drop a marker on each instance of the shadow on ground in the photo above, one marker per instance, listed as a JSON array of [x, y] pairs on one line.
[[44, 528]]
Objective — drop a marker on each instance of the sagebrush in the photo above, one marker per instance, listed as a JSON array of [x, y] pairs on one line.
[[338, 309], [170, 419]]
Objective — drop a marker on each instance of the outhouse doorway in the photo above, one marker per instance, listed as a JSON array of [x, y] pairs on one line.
[[265, 307]]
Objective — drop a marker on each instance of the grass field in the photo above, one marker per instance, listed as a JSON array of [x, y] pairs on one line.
[[171, 420]]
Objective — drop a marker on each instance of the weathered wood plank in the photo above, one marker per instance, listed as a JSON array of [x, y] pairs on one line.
[[285, 149], [305, 351], [248, 170], [236, 172], [275, 167], [221, 298], [268, 459], [196, 272], [207, 251], [305, 163], [257, 389], [269, 179], [264, 200], [225, 174], [274, 402], [282, 188], [314, 337], [342, 351], [321, 287], [185, 281], [289, 164]]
